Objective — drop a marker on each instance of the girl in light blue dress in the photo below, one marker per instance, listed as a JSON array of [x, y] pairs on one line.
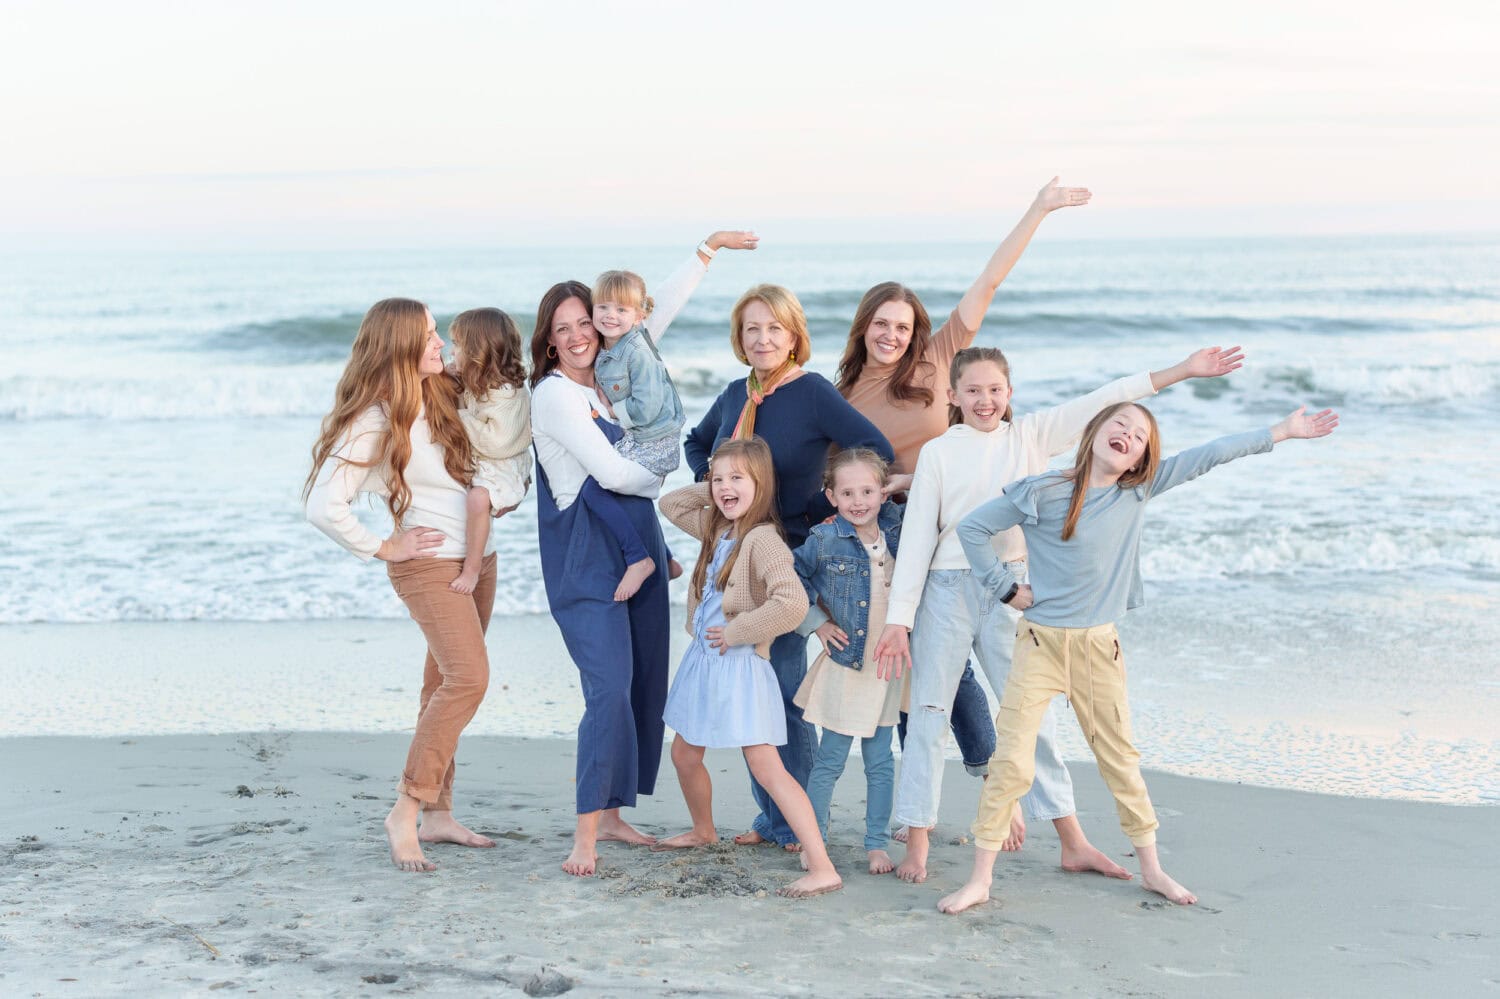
[[745, 593]]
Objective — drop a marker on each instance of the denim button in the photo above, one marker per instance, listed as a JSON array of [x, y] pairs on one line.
[[860, 631], [862, 603]]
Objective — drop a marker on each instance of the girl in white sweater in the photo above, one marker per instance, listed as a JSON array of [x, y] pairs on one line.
[[947, 614]]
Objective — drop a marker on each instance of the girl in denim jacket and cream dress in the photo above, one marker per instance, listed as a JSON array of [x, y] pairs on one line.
[[847, 564], [745, 594], [630, 374], [935, 599]]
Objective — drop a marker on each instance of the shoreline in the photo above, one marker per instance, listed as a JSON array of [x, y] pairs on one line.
[[192, 863]]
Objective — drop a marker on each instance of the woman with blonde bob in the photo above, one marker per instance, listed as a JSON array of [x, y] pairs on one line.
[[800, 416], [394, 431]]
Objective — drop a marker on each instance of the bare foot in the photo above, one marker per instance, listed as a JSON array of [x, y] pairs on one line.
[[751, 838], [1017, 832], [792, 847], [614, 829], [636, 573], [967, 897], [466, 581], [674, 568], [581, 861], [900, 834], [683, 841], [913, 866], [442, 827], [881, 862], [406, 851], [812, 884], [1168, 889], [1086, 858]]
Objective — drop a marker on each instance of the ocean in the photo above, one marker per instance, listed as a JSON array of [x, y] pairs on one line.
[[158, 409]]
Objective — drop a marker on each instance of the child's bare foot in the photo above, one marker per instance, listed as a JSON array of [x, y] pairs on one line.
[[881, 862], [581, 861], [406, 851], [900, 834], [967, 897], [1017, 832], [442, 827], [1077, 860], [812, 884], [614, 829], [750, 838], [913, 866], [1159, 882], [674, 568], [636, 573], [466, 581], [684, 841], [792, 847]]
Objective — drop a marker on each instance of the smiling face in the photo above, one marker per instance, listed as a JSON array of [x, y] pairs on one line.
[[982, 394], [732, 488], [766, 342], [888, 336], [575, 340], [431, 362], [1120, 443], [856, 494], [614, 319]]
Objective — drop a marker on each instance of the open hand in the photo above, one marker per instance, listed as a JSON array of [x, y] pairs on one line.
[[1300, 426], [401, 546], [833, 637], [1052, 197], [1214, 362], [733, 239], [892, 652]]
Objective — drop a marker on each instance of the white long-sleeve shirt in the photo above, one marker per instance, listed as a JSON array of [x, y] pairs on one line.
[[437, 499], [568, 444], [965, 468]]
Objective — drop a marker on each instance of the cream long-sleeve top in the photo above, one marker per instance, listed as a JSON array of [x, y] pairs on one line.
[[568, 444], [437, 499], [965, 468]]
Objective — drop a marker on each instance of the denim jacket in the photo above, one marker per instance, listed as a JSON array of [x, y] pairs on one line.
[[835, 568], [633, 372]]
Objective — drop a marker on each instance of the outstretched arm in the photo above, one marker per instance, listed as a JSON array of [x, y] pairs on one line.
[[673, 293], [1210, 362], [1188, 465], [976, 301], [1300, 426]]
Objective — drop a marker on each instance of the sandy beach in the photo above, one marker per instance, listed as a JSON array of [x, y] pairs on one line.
[[255, 862]]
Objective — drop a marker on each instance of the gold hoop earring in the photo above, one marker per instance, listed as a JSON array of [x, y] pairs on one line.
[[551, 352]]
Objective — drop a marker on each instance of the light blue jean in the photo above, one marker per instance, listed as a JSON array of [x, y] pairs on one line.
[[957, 616], [880, 781]]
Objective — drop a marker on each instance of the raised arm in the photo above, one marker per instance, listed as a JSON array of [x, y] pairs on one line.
[[976, 301], [673, 293], [1188, 465], [686, 507]]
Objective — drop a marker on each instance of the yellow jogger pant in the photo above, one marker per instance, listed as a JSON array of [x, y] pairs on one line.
[[1087, 665]]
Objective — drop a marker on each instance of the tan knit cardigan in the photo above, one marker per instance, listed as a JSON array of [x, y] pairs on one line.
[[763, 597]]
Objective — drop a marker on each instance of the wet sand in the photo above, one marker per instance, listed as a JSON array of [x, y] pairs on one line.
[[238, 863]]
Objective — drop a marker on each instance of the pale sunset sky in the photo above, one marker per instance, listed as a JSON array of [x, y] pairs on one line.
[[379, 124]]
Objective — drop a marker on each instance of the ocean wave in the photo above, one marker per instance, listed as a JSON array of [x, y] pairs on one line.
[[237, 392], [300, 338], [1286, 549], [1437, 383]]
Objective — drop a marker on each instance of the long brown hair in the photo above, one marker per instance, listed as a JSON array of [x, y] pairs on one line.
[[1083, 464], [489, 351], [966, 357], [542, 363], [753, 456], [902, 387], [382, 370]]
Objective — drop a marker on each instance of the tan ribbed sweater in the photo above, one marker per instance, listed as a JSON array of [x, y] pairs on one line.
[[763, 598]]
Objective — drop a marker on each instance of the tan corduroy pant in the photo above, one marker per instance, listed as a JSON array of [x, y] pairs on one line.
[[1087, 665], [457, 670]]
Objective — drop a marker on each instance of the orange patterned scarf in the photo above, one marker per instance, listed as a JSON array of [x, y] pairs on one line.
[[755, 394]]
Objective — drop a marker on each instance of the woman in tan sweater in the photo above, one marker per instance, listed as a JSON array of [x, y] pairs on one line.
[[745, 593]]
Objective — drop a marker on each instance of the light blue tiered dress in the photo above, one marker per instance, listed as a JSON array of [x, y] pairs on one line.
[[723, 701]]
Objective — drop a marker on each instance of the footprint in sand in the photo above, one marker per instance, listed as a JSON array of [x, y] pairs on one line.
[[222, 833]]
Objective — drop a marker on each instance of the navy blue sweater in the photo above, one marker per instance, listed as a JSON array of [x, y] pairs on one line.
[[799, 422]]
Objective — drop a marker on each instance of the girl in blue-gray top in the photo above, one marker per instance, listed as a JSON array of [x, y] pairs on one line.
[[1083, 531]]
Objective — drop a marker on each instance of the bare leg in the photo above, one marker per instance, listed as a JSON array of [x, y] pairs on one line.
[[913, 866], [1153, 878], [698, 791], [766, 767], [401, 831], [584, 856], [636, 573], [1079, 855], [977, 889], [477, 535], [442, 827]]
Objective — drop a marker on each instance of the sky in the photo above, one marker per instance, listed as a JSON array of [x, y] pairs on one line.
[[378, 124]]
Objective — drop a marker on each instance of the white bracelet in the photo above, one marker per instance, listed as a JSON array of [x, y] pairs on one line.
[[706, 250]]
